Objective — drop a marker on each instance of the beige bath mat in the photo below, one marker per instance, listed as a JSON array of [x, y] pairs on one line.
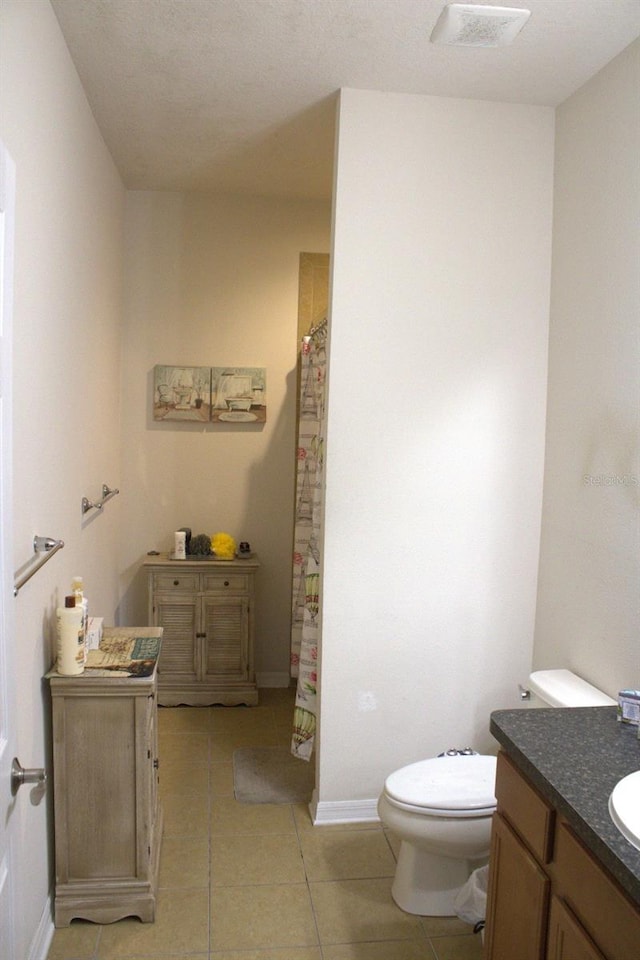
[[271, 775]]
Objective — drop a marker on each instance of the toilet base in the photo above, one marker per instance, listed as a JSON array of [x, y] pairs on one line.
[[426, 884]]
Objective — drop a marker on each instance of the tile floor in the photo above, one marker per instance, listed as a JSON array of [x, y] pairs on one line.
[[260, 882]]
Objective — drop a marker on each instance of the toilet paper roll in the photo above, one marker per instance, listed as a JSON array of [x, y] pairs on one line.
[[180, 548]]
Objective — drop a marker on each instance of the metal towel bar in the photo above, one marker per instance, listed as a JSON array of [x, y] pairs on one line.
[[46, 547], [107, 493]]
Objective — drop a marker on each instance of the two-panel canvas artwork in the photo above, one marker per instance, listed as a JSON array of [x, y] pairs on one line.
[[210, 394]]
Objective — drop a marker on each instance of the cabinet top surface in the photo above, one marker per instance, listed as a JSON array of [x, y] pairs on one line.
[[575, 757], [165, 560], [125, 654]]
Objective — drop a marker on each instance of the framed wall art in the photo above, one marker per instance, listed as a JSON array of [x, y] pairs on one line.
[[182, 393], [210, 394], [238, 394]]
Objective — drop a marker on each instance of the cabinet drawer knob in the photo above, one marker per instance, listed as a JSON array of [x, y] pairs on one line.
[[176, 583], [226, 583]]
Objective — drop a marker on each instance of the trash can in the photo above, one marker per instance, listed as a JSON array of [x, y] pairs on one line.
[[471, 902]]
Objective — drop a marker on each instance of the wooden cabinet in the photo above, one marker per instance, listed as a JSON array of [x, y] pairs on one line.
[[549, 898], [520, 905], [567, 938], [107, 819], [205, 609]]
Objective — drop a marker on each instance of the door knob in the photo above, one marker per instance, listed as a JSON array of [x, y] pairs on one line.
[[20, 775]]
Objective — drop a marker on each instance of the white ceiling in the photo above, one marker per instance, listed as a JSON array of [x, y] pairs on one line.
[[238, 96]]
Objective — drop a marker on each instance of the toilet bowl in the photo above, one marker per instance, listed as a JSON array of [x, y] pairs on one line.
[[440, 809]]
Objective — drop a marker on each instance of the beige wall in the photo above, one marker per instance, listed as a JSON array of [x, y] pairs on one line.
[[68, 295], [213, 280], [588, 604]]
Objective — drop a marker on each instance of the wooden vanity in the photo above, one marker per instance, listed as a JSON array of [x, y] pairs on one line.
[[548, 894], [563, 884], [107, 818]]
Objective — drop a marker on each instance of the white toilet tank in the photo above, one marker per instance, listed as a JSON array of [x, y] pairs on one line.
[[562, 688]]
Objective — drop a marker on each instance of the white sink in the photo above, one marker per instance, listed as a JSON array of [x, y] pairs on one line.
[[624, 807]]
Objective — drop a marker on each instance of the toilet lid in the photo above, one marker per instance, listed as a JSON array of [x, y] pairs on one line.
[[445, 784]]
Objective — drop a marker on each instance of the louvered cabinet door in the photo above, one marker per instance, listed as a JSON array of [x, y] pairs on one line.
[[225, 622], [177, 615]]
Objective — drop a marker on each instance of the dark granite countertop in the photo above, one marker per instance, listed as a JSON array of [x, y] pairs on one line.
[[575, 757]]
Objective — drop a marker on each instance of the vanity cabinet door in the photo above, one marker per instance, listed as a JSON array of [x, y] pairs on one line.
[[177, 614], [567, 938], [225, 622], [518, 898]]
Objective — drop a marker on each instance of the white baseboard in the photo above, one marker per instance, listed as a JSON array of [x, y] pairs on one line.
[[43, 936], [343, 811], [273, 679]]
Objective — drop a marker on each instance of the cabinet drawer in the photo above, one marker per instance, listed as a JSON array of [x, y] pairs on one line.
[[175, 582], [604, 910], [225, 583], [525, 809]]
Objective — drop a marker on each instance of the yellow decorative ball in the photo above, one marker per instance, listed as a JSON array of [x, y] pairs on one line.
[[223, 545]]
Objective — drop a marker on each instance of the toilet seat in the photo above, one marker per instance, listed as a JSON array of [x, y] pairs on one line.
[[459, 786]]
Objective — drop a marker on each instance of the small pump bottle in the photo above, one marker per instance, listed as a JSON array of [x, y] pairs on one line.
[[77, 585], [180, 545], [70, 660]]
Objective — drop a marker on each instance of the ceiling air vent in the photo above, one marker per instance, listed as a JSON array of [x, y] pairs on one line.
[[473, 25]]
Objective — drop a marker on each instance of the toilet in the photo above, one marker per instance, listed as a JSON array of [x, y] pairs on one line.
[[441, 808]]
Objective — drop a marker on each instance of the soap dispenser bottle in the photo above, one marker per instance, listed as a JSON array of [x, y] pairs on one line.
[[77, 586], [70, 648]]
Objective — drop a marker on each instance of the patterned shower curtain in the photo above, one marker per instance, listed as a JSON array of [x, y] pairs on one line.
[[305, 629]]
